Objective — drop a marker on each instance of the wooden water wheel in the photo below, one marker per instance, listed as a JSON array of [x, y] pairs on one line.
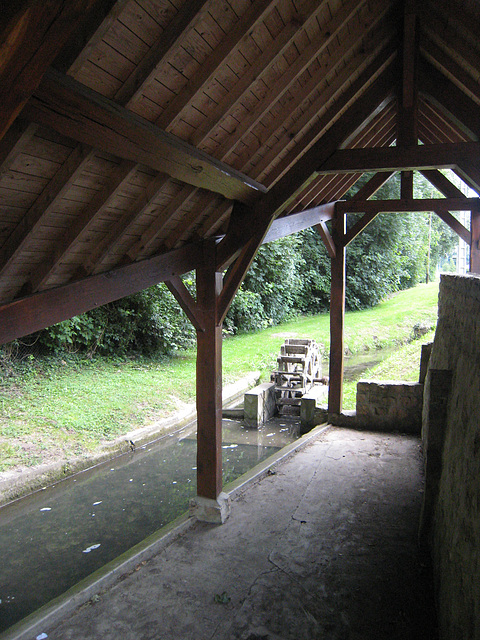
[[298, 368]]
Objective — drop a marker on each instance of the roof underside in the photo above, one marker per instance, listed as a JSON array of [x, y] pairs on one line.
[[94, 170]]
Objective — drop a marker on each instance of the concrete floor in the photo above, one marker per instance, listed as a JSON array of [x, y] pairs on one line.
[[324, 547]]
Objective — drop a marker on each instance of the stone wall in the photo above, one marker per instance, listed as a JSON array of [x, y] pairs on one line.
[[389, 405], [451, 436]]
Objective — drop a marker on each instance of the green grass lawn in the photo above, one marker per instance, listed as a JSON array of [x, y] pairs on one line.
[[69, 406]]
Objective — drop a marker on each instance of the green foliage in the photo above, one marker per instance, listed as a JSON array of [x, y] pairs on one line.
[[150, 321]]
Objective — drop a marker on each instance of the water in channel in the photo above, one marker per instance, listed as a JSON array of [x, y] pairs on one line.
[[54, 538]]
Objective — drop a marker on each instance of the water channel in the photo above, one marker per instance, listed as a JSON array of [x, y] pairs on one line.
[[54, 538]]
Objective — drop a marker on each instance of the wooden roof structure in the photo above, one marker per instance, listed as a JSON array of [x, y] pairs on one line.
[[142, 139]]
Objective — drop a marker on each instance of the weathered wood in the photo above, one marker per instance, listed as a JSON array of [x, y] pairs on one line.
[[337, 316], [282, 227], [75, 111], [209, 379], [26, 315], [475, 242], [32, 35]]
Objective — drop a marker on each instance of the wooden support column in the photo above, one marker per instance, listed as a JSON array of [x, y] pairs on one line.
[[475, 242], [209, 380], [337, 314]]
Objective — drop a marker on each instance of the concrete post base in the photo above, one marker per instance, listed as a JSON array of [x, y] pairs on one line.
[[209, 510]]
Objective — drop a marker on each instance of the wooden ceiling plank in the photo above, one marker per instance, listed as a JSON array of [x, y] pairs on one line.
[[189, 220], [27, 315], [14, 141], [115, 182], [439, 125], [248, 21], [436, 56], [185, 19], [401, 159], [256, 71], [52, 193], [76, 111], [158, 225], [338, 79], [121, 227], [283, 84], [32, 37]]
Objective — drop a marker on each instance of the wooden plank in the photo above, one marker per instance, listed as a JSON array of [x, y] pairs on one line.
[[27, 315], [183, 20], [81, 224], [52, 192], [337, 317], [197, 83], [475, 242], [287, 225], [33, 34], [73, 110], [425, 156]]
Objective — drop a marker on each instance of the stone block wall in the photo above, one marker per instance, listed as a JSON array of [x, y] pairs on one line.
[[389, 405], [451, 436]]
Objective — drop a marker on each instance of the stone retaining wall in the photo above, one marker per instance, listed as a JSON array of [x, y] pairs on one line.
[[451, 436], [389, 405]]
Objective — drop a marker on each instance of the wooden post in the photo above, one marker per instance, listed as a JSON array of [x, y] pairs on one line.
[[209, 380], [337, 314], [475, 242]]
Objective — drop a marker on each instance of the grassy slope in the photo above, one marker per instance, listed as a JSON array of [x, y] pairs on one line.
[[63, 407]]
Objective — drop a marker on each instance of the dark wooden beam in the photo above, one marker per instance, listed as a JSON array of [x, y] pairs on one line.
[[337, 316], [426, 204], [359, 226], [186, 301], [442, 183], [327, 239], [470, 174], [454, 224], [30, 314], [425, 156], [75, 111], [33, 33], [282, 227], [209, 379], [372, 186]]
